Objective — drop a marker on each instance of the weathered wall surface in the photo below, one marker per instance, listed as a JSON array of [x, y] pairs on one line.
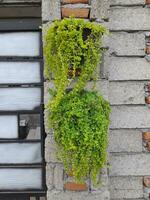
[[58, 182], [129, 75], [124, 80], [125, 77]]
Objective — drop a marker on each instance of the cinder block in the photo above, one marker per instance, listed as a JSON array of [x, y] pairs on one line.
[[129, 69], [51, 10], [127, 2], [130, 165], [126, 187], [129, 18], [51, 150], [58, 177], [50, 176], [125, 141], [126, 93], [130, 117], [127, 44], [100, 9]]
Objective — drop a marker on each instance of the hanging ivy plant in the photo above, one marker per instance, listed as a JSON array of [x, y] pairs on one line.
[[79, 118], [72, 47], [80, 124]]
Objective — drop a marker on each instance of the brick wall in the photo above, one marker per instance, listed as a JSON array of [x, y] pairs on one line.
[[129, 77], [124, 80], [61, 186]]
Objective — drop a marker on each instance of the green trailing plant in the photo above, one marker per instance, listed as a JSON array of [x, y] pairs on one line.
[[79, 118], [80, 124], [72, 44]]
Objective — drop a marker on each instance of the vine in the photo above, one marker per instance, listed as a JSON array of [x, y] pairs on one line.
[[80, 124], [79, 118], [72, 44]]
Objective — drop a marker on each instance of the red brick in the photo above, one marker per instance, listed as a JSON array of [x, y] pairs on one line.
[[148, 88], [146, 136], [147, 100], [147, 1], [148, 146], [71, 186], [74, 1], [146, 182], [148, 49], [75, 12]]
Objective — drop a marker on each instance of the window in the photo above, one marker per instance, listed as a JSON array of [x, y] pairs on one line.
[[22, 165]]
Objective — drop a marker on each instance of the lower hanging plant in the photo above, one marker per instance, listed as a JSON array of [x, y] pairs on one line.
[[80, 122]]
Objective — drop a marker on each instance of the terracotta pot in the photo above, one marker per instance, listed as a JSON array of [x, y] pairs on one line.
[[72, 186]]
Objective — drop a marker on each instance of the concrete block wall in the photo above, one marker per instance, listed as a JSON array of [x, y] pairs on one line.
[[60, 185], [125, 81], [129, 76]]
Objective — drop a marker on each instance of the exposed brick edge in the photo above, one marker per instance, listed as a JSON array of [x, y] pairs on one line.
[[76, 12], [147, 1], [72, 186], [146, 182], [147, 50], [146, 136]]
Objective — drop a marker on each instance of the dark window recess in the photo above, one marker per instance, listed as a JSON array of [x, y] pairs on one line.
[[22, 135]]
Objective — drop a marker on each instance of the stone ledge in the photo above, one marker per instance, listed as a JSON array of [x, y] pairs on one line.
[[56, 195]]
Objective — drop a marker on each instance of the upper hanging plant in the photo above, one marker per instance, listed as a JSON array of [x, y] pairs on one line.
[[72, 47]]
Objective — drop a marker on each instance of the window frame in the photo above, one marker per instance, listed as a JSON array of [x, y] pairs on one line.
[[26, 25]]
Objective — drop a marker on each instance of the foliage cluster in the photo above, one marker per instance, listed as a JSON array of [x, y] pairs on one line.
[[79, 118], [81, 123], [72, 43]]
